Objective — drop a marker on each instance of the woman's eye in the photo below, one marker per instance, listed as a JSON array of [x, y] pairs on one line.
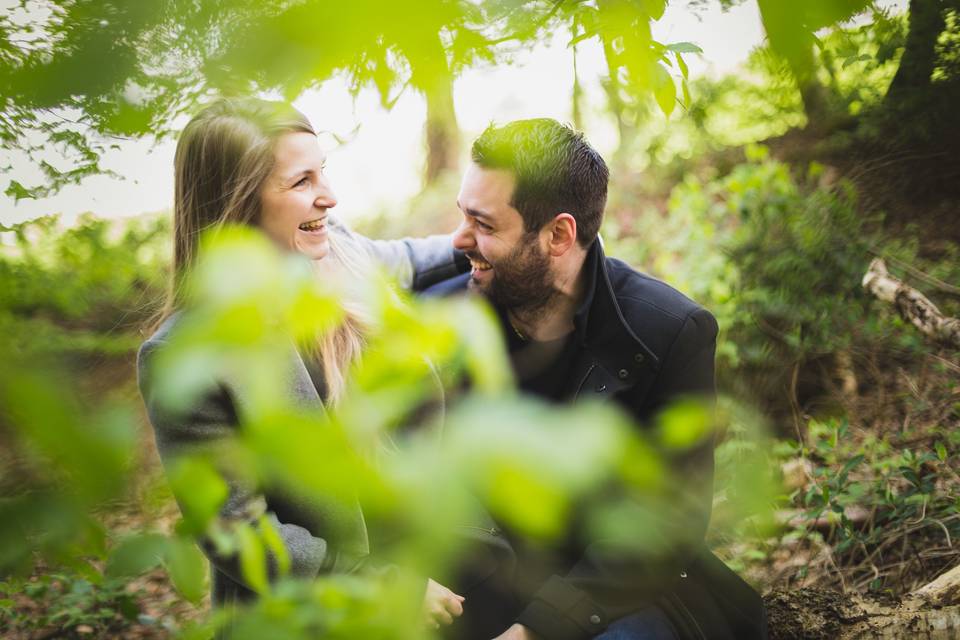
[[301, 182]]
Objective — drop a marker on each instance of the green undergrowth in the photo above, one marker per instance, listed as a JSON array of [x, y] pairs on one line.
[[84, 289], [860, 403]]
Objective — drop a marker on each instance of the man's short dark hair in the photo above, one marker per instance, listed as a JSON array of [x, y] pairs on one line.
[[555, 169]]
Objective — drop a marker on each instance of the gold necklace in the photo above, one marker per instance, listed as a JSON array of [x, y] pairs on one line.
[[518, 333]]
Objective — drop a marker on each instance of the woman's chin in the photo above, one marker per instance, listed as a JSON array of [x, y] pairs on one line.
[[314, 249]]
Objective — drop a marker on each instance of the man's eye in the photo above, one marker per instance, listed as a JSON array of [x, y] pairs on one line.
[[484, 226]]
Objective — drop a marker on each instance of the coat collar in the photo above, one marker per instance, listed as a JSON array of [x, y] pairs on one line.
[[600, 326]]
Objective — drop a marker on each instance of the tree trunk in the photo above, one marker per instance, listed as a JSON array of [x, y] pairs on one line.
[[814, 613], [932, 612], [815, 96], [791, 40], [927, 22], [577, 95], [433, 78], [441, 131]]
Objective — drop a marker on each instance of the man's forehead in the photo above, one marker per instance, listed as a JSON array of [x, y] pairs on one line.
[[484, 188]]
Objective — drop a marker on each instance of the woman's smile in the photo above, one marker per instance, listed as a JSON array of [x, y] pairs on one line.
[[317, 226]]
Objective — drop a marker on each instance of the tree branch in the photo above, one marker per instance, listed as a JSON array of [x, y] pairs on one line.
[[912, 305]]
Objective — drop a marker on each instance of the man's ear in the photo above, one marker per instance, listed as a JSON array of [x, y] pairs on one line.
[[563, 234]]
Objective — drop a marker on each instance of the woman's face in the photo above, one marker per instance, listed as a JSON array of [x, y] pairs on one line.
[[296, 196]]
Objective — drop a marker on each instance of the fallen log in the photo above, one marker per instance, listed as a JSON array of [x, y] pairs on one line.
[[913, 306], [932, 611]]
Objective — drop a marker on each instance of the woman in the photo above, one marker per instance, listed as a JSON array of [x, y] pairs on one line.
[[258, 163]]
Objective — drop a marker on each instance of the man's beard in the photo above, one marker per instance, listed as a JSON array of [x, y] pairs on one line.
[[522, 282]]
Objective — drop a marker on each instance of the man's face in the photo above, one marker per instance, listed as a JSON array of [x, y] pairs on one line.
[[509, 265]]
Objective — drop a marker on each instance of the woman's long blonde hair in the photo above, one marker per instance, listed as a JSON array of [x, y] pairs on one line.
[[223, 157]]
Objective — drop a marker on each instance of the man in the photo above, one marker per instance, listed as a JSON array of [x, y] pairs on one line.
[[581, 325]]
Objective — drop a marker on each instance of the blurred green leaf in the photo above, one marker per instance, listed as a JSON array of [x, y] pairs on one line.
[[684, 47], [664, 89], [137, 554], [200, 491], [253, 559], [187, 568], [274, 543], [685, 424]]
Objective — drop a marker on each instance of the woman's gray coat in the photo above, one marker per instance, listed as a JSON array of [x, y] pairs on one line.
[[318, 539]]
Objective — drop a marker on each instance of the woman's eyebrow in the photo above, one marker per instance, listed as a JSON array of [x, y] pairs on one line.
[[298, 174]]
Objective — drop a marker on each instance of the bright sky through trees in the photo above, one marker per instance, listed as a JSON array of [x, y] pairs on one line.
[[381, 162]]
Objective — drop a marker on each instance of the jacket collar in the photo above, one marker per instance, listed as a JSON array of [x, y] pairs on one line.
[[599, 323]]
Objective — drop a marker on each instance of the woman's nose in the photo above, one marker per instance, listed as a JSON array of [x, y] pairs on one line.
[[326, 198]]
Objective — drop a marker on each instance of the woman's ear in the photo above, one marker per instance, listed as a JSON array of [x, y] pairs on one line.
[[563, 234]]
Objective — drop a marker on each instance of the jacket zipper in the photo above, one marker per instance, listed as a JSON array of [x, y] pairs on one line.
[[491, 530], [690, 618], [593, 365]]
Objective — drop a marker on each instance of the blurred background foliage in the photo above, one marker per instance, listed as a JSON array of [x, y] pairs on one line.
[[763, 194]]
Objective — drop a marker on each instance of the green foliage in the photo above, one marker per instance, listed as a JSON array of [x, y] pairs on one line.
[[65, 100], [778, 260], [532, 467], [791, 27], [874, 494], [66, 601], [858, 63], [80, 290]]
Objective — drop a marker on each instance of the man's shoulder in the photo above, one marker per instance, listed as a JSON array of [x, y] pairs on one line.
[[635, 289], [653, 307], [448, 287]]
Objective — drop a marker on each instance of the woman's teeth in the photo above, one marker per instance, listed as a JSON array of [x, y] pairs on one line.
[[313, 225]]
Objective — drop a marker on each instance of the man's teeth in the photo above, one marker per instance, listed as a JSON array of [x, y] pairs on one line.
[[480, 265], [313, 225]]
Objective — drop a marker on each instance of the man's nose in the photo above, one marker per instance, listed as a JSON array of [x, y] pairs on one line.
[[463, 237]]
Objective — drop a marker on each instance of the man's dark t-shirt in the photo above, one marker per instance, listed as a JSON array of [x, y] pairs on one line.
[[542, 368]]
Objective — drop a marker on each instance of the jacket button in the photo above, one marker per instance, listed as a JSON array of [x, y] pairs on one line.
[[638, 358], [623, 373], [683, 574], [601, 388], [595, 619]]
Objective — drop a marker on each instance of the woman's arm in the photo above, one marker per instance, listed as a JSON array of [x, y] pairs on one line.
[[211, 420], [416, 263]]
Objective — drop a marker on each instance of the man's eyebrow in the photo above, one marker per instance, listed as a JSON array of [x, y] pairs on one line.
[[474, 213]]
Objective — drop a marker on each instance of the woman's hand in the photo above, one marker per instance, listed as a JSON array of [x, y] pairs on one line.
[[440, 605]]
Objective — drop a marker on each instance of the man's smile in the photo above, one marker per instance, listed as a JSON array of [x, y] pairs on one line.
[[478, 265]]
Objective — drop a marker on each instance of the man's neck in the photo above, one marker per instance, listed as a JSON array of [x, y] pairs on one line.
[[555, 319]]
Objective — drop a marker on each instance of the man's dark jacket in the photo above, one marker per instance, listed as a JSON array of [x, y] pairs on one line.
[[643, 344]]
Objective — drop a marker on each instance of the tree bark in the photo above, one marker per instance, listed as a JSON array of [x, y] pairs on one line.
[[927, 22], [790, 39], [913, 306], [441, 131], [932, 611], [434, 79], [577, 93], [813, 94]]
